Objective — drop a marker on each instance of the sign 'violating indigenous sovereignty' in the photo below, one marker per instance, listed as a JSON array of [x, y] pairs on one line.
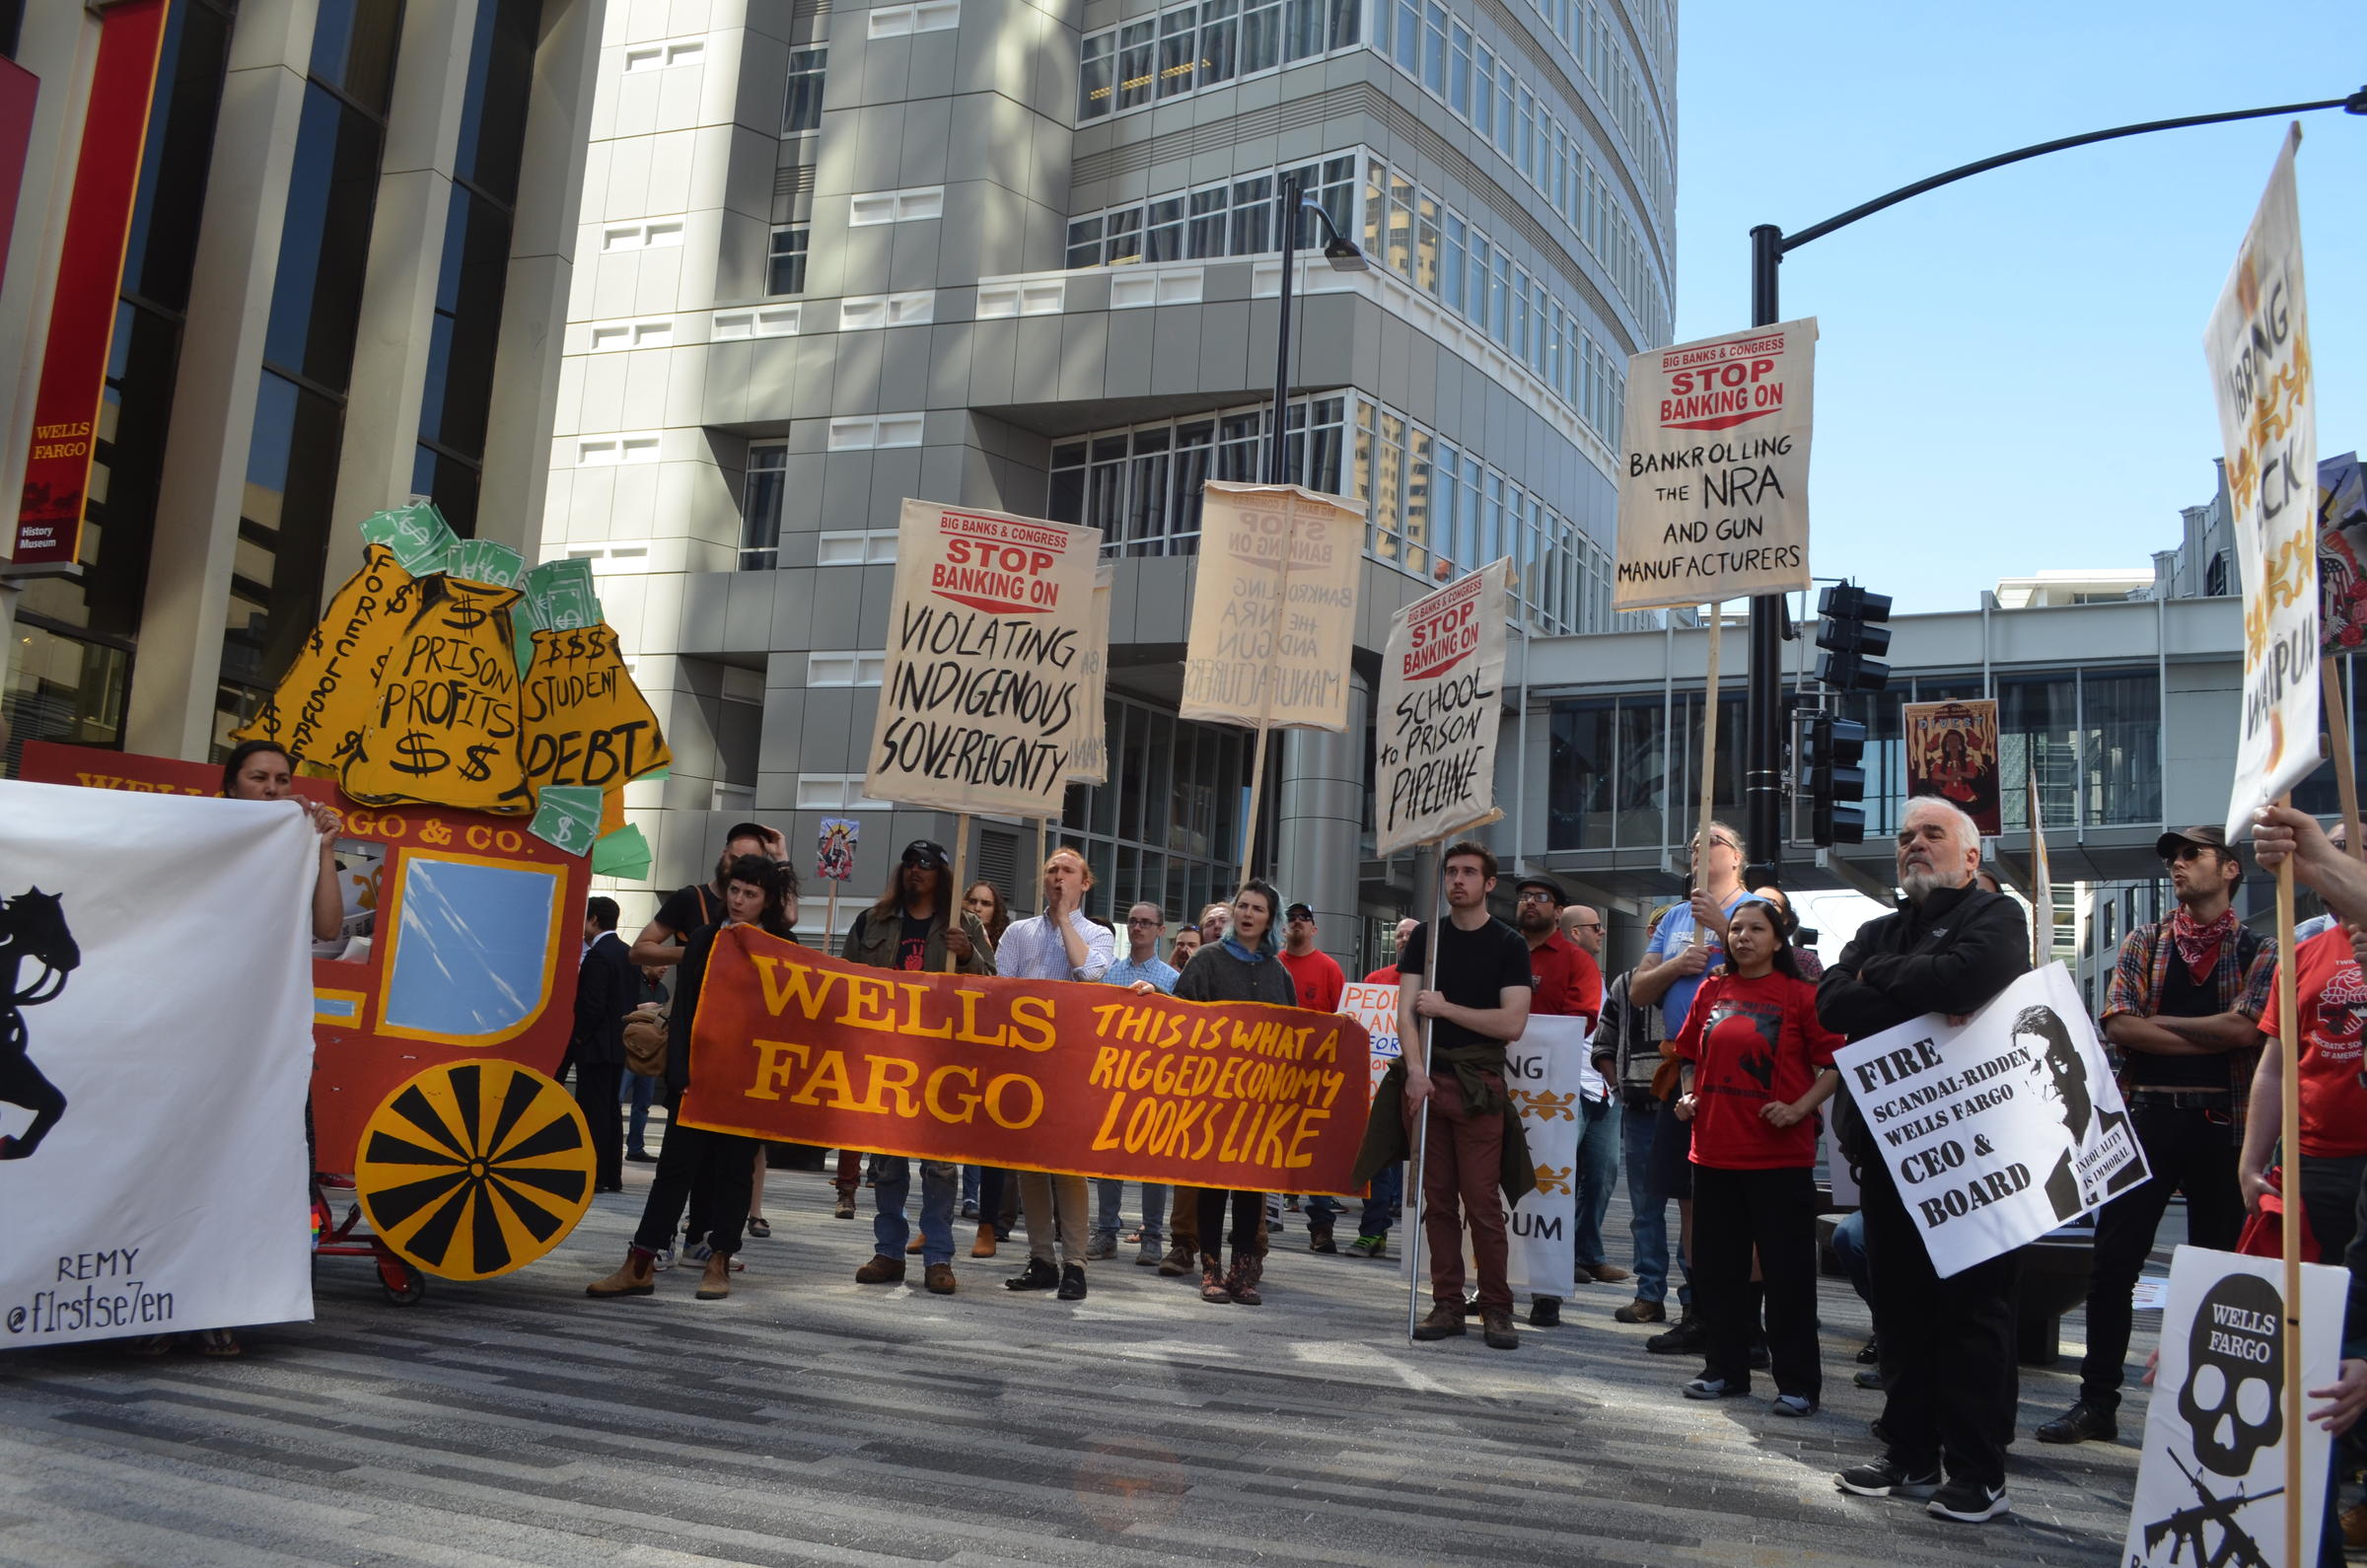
[[982, 706], [1713, 491], [1040, 1075], [2259, 346]]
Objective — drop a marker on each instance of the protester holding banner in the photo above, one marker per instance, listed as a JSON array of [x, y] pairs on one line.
[[708, 1173], [1763, 1065], [1244, 965], [686, 909], [1947, 1349], [1140, 969], [1466, 979], [259, 771], [914, 927], [2183, 1008], [1060, 944], [1564, 984]]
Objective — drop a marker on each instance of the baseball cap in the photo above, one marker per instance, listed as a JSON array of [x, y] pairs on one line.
[[2210, 838], [1299, 912], [926, 852], [756, 830]]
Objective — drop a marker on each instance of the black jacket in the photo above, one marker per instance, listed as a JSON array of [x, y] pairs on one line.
[[607, 988], [1950, 954]]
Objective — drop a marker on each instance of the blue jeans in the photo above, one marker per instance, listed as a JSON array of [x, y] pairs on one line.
[[1648, 1213], [1850, 1248], [971, 1177], [1154, 1209], [1388, 1183], [1597, 1175], [639, 1090], [892, 1184]]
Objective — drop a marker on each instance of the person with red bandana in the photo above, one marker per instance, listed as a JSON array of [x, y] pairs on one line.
[[2183, 1010]]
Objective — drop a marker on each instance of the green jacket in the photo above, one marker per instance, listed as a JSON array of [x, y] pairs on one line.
[[875, 943], [1386, 1140]]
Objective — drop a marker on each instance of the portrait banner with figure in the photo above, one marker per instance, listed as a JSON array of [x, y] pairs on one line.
[[1951, 753], [2000, 1129], [2211, 1484]]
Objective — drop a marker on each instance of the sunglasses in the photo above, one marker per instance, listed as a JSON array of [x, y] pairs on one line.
[[924, 855], [1533, 896]]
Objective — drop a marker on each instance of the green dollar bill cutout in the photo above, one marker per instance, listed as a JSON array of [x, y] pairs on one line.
[[622, 854], [562, 594], [487, 561], [567, 816], [422, 542], [525, 620]]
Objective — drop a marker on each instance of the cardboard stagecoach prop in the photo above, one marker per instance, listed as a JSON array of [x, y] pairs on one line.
[[481, 728]]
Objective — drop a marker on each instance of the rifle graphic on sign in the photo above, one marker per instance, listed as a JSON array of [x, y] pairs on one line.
[[2184, 1528]]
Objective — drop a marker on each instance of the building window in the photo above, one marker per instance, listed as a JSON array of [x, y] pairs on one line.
[[760, 508], [803, 109], [1142, 486], [1204, 44], [785, 268]]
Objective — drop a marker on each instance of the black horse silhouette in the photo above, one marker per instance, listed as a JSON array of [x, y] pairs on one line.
[[33, 926]]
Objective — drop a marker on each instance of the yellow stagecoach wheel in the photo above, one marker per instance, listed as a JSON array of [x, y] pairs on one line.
[[474, 1169]]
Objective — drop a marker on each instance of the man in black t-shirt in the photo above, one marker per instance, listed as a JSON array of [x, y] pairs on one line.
[[685, 910], [1474, 997]]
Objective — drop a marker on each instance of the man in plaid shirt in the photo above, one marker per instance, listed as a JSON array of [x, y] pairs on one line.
[[2183, 1010]]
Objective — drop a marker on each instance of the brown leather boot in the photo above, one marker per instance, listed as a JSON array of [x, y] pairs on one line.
[[634, 1278], [983, 1247], [1248, 1270], [1444, 1322], [879, 1271], [716, 1283], [1495, 1326], [914, 1245], [940, 1278]]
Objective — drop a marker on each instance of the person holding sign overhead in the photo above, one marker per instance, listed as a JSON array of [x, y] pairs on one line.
[[1947, 1347]]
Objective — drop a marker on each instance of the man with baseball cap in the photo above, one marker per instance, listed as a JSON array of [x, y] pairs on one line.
[[2184, 1010], [1566, 981], [1320, 982]]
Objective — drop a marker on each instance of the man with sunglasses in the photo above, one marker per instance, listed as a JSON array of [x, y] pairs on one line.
[[2183, 1010], [1140, 968]]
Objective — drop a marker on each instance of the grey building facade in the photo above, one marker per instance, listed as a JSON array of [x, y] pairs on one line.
[[1027, 257]]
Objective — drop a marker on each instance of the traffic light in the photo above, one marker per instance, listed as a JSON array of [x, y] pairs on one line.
[[1852, 638], [1837, 783]]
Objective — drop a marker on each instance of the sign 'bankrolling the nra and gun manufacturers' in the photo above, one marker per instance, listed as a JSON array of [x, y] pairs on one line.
[[1043, 1075], [1713, 491]]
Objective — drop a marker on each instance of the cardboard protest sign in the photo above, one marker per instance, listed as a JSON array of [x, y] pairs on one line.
[[1376, 1008], [321, 704], [585, 721], [2001, 1129], [1043, 1075], [2259, 347], [1952, 752], [2211, 1484], [1541, 1072], [444, 723], [1713, 494], [1434, 735], [1089, 763], [983, 702], [117, 1047], [1273, 609]]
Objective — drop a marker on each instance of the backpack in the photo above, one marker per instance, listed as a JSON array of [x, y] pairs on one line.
[[645, 1041]]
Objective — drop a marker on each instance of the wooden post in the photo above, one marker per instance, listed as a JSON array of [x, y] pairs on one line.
[[1710, 764], [2286, 1048], [953, 916], [830, 922], [1411, 1198], [2338, 735], [1265, 684], [1248, 836]]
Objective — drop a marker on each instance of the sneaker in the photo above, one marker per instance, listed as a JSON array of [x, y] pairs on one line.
[[969, 1208], [1072, 1282], [1706, 1387], [1103, 1245], [1688, 1338], [2084, 1422], [697, 1253], [1444, 1322], [1887, 1478], [1796, 1406], [1968, 1502], [1037, 1275], [1178, 1261], [1495, 1328], [1369, 1247], [661, 1260], [1149, 1257], [1640, 1311], [1545, 1312], [1867, 1378]]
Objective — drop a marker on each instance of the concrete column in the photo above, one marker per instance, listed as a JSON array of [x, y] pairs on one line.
[[1320, 810], [380, 443], [533, 300], [170, 708]]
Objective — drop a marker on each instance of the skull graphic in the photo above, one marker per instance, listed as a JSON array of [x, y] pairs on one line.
[[2234, 1394]]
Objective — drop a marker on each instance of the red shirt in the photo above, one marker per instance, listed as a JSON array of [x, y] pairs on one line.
[[1387, 976], [1756, 1041], [2332, 996], [1318, 978], [1564, 980]]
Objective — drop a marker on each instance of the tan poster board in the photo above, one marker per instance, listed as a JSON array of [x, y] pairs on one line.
[[1273, 612], [1090, 763], [1442, 703], [983, 702], [1713, 486]]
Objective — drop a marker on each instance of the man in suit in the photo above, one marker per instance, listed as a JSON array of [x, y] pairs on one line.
[[607, 988]]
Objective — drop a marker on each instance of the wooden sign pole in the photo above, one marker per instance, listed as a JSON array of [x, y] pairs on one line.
[[953, 916], [2338, 735], [2287, 1016], [1265, 688], [1710, 764]]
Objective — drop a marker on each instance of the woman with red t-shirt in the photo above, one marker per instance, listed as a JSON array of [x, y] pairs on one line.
[[1762, 1064], [2331, 991]]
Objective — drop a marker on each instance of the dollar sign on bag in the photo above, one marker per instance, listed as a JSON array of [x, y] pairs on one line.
[[413, 755]]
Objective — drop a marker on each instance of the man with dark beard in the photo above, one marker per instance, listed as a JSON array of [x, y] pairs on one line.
[[1947, 1348]]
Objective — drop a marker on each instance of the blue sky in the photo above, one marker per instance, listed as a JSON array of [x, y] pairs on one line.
[[2010, 372]]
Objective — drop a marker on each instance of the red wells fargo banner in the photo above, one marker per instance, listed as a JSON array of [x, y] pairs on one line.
[[1040, 1075]]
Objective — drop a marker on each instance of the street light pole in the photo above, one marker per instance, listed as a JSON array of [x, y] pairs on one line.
[[1762, 785], [1343, 257]]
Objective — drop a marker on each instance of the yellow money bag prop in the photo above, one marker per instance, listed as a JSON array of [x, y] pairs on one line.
[[585, 723], [318, 711], [444, 725]]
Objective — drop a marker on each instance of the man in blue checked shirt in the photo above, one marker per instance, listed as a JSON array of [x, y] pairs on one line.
[[1140, 969]]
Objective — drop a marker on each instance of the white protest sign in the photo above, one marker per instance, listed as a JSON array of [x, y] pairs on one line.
[[1376, 1008], [2259, 347], [983, 700], [2211, 1484], [1713, 492], [1999, 1130], [1541, 1073], [1089, 763], [1273, 609], [1434, 734], [128, 1040]]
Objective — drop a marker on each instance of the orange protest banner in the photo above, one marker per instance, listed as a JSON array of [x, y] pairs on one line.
[[1041, 1075]]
